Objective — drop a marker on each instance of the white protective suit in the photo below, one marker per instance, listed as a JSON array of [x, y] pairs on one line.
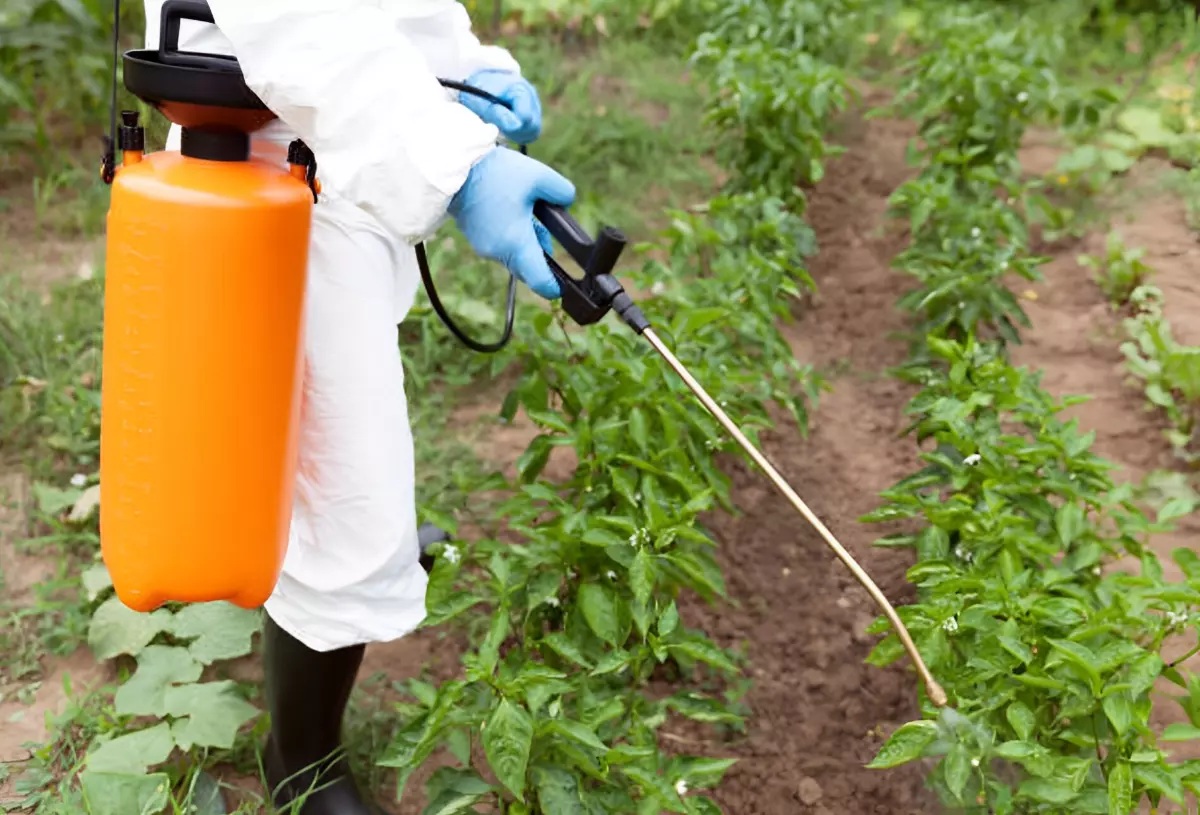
[[357, 81]]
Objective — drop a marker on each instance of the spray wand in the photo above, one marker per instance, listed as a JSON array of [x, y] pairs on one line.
[[588, 299]]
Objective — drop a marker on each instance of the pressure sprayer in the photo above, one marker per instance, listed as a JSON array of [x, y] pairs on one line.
[[202, 363]]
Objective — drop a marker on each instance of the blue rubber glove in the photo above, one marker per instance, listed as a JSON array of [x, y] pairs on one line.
[[494, 211], [522, 124]]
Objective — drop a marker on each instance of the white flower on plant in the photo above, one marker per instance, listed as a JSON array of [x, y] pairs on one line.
[[974, 762], [451, 553], [78, 480], [681, 787], [1022, 97], [658, 288], [552, 601], [60, 338], [976, 232], [610, 574], [958, 98], [1096, 571], [972, 459], [1177, 617], [951, 625]]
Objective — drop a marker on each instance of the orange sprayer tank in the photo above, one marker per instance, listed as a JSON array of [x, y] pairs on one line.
[[207, 253]]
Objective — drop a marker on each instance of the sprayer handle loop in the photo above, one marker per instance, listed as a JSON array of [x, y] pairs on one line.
[[174, 12]]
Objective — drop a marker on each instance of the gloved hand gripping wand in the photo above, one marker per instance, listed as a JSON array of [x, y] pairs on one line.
[[588, 299]]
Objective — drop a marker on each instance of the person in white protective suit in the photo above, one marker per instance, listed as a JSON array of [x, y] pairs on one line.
[[398, 155]]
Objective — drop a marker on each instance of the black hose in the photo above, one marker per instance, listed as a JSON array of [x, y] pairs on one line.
[[510, 311]]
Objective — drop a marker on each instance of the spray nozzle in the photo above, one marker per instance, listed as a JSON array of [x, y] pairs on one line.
[[586, 300]]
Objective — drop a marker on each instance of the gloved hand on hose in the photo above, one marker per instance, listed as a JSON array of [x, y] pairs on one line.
[[523, 123], [494, 211]]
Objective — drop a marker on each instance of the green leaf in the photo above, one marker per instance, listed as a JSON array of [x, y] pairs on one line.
[[958, 770], [1120, 790], [637, 428], [641, 576], [1047, 791], [565, 648], [96, 580], [1160, 778], [159, 666], [507, 740], [1144, 672], [704, 772], [450, 802], [1147, 126], [116, 629], [1017, 648], [598, 603], [1119, 711], [705, 651], [906, 744], [125, 794], [220, 630], [1180, 731], [1022, 719], [1069, 521], [489, 650], [668, 621], [133, 753], [577, 732], [207, 715], [53, 501], [612, 662], [557, 791]]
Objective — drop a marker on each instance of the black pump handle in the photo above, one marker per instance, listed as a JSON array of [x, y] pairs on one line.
[[586, 300], [174, 12]]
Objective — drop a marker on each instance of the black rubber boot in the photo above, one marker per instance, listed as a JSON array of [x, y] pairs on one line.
[[307, 692]]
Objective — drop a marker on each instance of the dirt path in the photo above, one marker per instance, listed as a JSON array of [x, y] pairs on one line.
[[819, 713]]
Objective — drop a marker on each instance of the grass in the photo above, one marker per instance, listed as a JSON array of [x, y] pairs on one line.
[[623, 121]]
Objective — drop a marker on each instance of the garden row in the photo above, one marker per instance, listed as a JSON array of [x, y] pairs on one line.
[[1048, 651]]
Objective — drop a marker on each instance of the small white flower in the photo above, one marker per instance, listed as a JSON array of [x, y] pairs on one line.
[[681, 787], [1096, 571], [972, 459], [975, 232], [950, 625], [974, 762], [552, 601], [611, 575], [1022, 97], [658, 288], [958, 98], [1177, 617], [78, 480], [59, 338], [451, 553]]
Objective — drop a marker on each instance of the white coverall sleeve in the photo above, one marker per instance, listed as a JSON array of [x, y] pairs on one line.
[[361, 95], [441, 29]]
